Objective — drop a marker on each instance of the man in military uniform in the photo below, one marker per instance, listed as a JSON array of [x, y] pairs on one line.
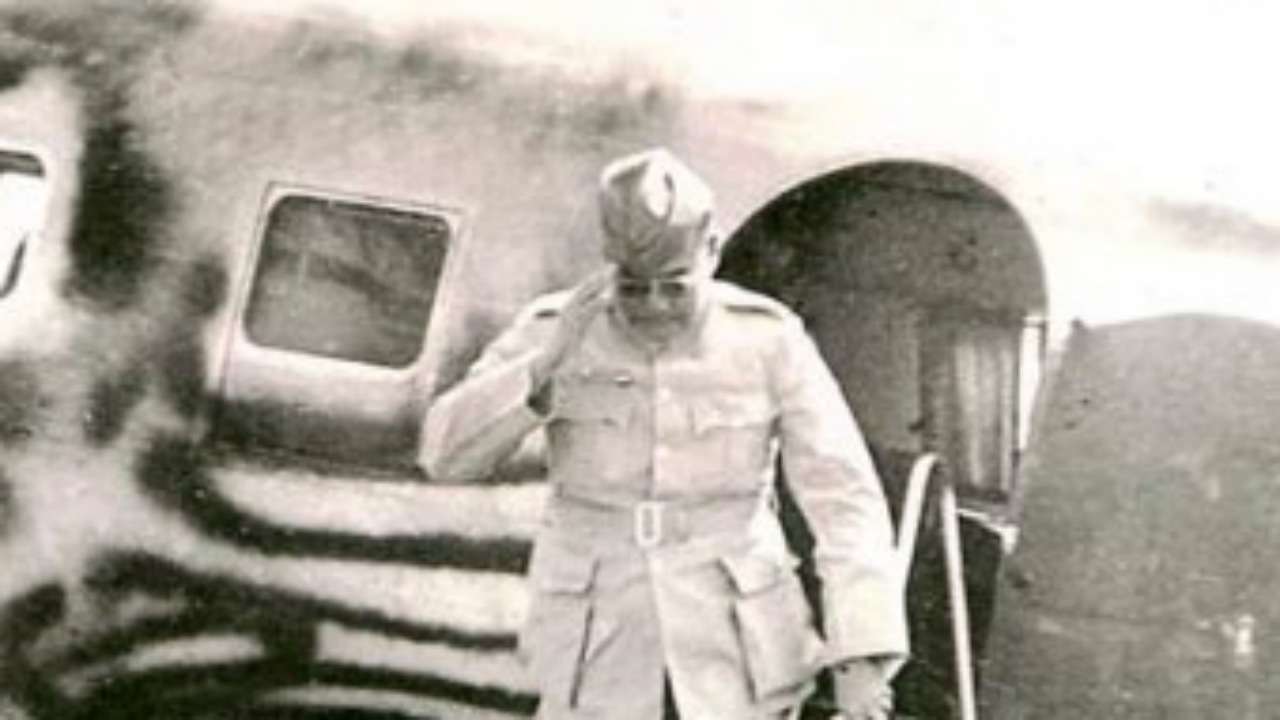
[[661, 576]]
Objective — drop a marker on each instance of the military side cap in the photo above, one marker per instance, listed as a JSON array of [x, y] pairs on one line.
[[652, 208]]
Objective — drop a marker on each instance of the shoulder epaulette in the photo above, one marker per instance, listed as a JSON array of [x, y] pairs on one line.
[[742, 300]]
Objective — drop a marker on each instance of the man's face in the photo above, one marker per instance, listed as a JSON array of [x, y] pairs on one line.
[[661, 302]]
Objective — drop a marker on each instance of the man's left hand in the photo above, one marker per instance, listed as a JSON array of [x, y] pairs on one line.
[[862, 690]]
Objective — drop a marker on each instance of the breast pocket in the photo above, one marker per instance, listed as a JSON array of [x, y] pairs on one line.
[[733, 430], [780, 646], [589, 431], [591, 404]]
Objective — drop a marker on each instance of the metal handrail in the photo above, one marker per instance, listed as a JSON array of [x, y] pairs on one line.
[[913, 509], [922, 471]]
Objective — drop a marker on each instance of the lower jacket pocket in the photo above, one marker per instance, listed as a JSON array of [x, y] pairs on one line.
[[781, 648], [562, 633]]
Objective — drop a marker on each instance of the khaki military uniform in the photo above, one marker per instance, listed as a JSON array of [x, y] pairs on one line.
[[660, 551]]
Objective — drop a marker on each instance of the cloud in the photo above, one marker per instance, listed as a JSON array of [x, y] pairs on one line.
[[1205, 226]]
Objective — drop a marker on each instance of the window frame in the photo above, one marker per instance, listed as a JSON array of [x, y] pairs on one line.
[[255, 337], [11, 277], [277, 192], [282, 401]]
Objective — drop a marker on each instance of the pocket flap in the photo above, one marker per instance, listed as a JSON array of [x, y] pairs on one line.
[[589, 404], [731, 411], [751, 573], [780, 645]]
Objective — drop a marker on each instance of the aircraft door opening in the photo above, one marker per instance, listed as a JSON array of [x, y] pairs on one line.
[[925, 292]]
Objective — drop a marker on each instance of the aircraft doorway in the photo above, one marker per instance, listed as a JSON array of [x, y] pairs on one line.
[[925, 291]]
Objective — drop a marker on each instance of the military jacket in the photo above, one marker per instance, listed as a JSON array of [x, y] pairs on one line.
[[660, 553]]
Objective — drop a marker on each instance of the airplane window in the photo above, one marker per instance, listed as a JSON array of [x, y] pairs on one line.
[[23, 190], [346, 280]]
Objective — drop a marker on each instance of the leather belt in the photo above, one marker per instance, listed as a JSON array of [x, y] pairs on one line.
[[654, 522]]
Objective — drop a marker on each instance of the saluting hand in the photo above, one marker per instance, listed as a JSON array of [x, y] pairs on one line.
[[587, 299], [862, 691]]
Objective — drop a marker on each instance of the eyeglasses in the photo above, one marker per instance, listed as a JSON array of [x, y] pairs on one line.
[[667, 289]]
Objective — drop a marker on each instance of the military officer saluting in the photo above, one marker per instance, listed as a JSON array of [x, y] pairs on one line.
[[661, 577]]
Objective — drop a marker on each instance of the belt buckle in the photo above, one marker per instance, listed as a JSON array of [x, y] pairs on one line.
[[648, 523]]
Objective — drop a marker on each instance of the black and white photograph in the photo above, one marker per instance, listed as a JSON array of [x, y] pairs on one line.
[[679, 360]]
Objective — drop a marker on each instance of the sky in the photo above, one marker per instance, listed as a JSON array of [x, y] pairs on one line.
[[1121, 107], [1177, 94]]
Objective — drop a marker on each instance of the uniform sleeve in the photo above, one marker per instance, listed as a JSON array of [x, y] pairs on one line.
[[830, 473], [482, 420]]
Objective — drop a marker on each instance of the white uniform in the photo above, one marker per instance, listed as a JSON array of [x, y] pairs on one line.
[[660, 550]]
